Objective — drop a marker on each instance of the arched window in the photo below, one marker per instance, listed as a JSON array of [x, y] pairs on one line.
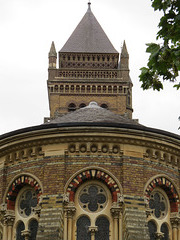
[[115, 89], [88, 88], [159, 219], [33, 227], [99, 88], [152, 230], [82, 105], [104, 88], [109, 89], [93, 88], [26, 218], [83, 88], [19, 229], [104, 105], [93, 202], [83, 232], [103, 228], [71, 107], [61, 88]]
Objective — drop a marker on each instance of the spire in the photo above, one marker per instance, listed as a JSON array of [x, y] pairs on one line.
[[52, 52], [88, 37], [124, 52], [52, 56], [89, 5], [124, 59]]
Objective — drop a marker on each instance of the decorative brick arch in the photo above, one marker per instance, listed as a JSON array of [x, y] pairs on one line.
[[17, 184], [165, 184], [94, 174]]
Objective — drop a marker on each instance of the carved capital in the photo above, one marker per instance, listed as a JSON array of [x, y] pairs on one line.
[[93, 229], [3, 209], [175, 220], [26, 234], [70, 210], [115, 211], [9, 217], [159, 235]]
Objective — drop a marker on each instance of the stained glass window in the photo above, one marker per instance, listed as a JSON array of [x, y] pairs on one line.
[[28, 201], [158, 205], [33, 227], [103, 229], [165, 230], [19, 229], [152, 230], [93, 198], [83, 224]]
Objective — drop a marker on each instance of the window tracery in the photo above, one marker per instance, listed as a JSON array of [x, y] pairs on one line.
[[159, 218], [93, 202], [26, 219]]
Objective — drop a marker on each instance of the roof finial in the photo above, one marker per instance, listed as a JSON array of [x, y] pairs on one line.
[[89, 5]]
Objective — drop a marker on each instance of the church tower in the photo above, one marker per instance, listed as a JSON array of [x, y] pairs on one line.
[[89, 69]]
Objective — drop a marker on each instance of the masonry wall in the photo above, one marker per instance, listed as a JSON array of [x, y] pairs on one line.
[[56, 162]]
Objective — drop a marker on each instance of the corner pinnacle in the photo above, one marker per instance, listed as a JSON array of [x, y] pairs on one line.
[[52, 52]]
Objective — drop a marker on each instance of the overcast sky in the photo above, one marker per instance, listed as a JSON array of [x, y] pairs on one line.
[[28, 27]]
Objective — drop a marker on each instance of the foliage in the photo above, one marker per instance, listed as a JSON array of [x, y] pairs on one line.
[[164, 59]]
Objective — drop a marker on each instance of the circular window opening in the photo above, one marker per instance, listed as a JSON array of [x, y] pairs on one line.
[[93, 198], [28, 202], [158, 204]]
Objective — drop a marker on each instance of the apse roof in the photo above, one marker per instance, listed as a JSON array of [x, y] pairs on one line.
[[89, 37], [93, 114]]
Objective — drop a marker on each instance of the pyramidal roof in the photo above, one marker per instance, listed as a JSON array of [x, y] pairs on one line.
[[88, 37]]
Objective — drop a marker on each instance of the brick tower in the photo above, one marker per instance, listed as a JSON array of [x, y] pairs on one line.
[[90, 69]]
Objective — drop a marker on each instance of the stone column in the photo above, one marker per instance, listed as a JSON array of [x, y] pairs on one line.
[[5, 233], [69, 213], [9, 218], [175, 225], [115, 211], [65, 225], [3, 210], [121, 225], [179, 230], [93, 231]]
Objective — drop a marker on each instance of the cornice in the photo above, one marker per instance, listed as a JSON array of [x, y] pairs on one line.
[[50, 134]]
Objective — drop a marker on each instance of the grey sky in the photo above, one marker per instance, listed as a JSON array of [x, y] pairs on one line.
[[29, 26]]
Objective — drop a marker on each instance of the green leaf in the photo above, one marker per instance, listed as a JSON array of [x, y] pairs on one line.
[[152, 47]]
